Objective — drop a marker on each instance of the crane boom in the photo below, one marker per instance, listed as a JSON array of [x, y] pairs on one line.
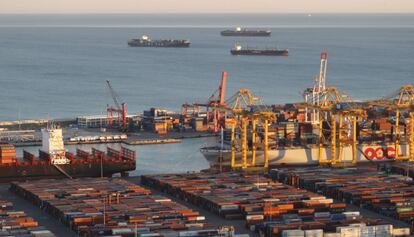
[[120, 109], [114, 95]]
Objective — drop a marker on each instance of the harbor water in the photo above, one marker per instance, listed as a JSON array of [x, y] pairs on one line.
[[55, 66]]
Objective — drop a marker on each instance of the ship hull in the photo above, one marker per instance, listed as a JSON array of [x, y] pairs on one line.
[[308, 156], [159, 44], [81, 169], [260, 52], [246, 33]]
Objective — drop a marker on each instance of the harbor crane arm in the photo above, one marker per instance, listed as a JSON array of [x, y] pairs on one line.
[[114, 95], [120, 109]]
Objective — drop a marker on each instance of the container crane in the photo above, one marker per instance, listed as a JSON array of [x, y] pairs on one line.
[[218, 99], [334, 109], [313, 95], [247, 109], [119, 110], [402, 100]]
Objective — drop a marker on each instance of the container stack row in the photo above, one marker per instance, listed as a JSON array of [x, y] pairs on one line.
[[387, 194], [271, 208], [19, 224], [115, 207], [402, 168], [7, 154]]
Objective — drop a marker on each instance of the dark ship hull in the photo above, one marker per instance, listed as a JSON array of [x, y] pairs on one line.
[[270, 52], [42, 171], [160, 43], [82, 164], [247, 33]]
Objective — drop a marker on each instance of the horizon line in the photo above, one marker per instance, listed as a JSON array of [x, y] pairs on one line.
[[209, 13]]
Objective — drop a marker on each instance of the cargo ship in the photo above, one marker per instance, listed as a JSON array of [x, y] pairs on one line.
[[245, 32], [55, 162], [309, 155], [146, 41], [239, 50]]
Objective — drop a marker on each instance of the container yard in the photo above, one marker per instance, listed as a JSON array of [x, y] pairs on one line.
[[270, 208], [379, 191], [18, 223], [115, 207]]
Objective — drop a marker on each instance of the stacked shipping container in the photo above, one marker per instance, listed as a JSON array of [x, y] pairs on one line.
[[269, 207], [17, 223], [114, 207], [7, 154], [390, 195]]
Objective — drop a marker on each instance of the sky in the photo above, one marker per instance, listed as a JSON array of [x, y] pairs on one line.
[[205, 6]]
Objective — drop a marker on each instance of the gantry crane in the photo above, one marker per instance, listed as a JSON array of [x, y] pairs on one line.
[[247, 109], [402, 100], [313, 95], [334, 109], [119, 110]]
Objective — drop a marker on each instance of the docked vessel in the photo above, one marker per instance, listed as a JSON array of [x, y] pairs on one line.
[[54, 161], [146, 41], [305, 155], [245, 32], [239, 50]]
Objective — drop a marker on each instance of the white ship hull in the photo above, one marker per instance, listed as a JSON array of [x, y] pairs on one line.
[[309, 156]]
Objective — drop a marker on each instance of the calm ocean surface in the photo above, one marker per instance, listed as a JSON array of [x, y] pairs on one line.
[[56, 66]]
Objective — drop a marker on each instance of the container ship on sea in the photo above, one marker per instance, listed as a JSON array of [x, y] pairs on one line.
[[146, 41], [54, 161], [239, 50], [246, 32]]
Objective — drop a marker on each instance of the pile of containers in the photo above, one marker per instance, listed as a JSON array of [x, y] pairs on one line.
[[17, 223], [7, 154], [114, 207], [271, 208], [390, 195], [403, 168]]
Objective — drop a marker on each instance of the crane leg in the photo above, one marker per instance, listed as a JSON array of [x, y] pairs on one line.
[[233, 146], [354, 140], [411, 137], [254, 122], [333, 139], [266, 144], [244, 142]]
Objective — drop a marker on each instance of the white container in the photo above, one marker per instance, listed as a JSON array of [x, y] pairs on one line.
[[254, 217], [229, 207], [314, 233], [401, 232], [331, 235], [293, 233], [384, 230], [349, 231]]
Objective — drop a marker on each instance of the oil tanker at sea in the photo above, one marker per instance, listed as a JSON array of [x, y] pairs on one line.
[[246, 32], [54, 162], [146, 41]]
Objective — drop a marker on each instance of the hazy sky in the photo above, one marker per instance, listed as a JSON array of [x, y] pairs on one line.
[[205, 6]]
